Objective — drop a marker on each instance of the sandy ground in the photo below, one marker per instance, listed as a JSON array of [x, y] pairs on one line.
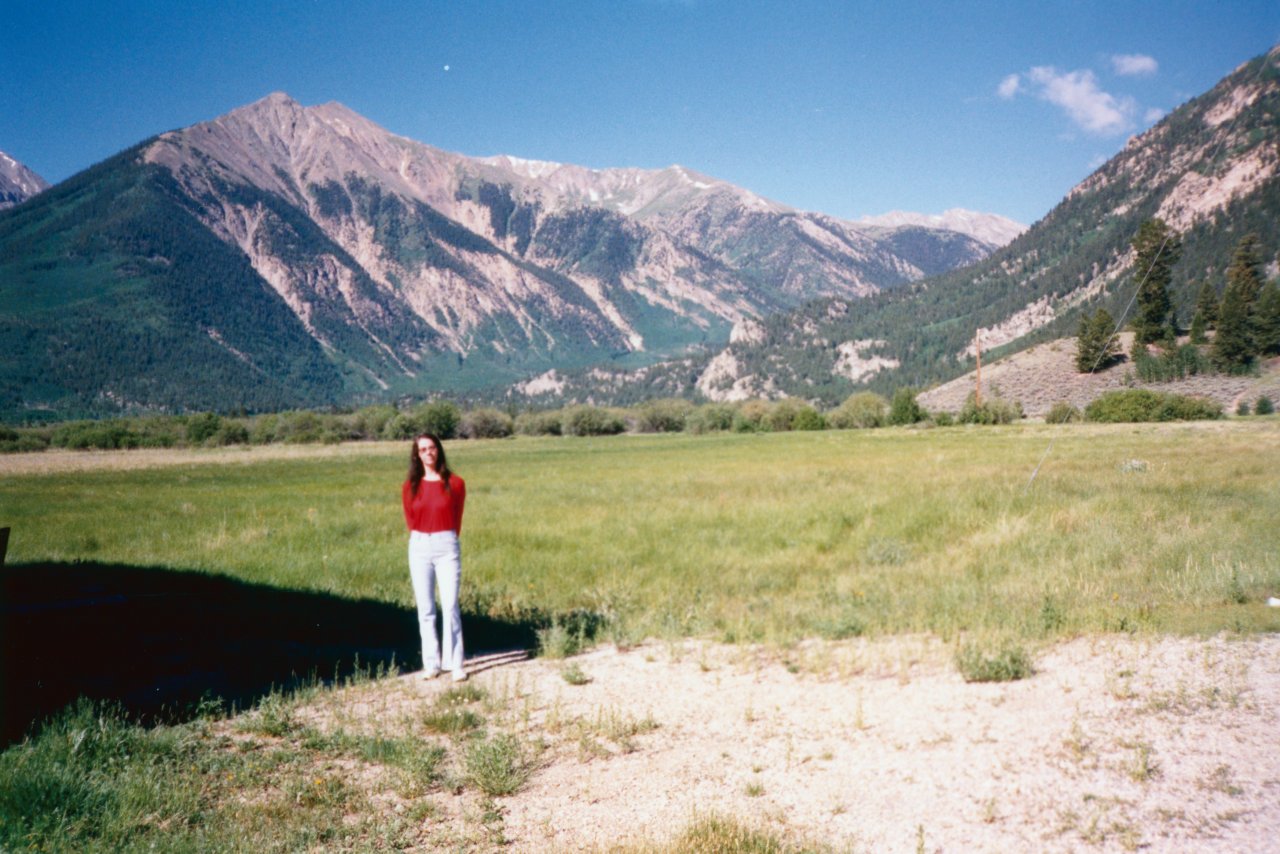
[[1116, 743]]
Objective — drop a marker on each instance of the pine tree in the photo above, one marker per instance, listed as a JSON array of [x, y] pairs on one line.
[[1207, 304], [1104, 331], [1206, 316], [1097, 345], [1156, 250], [1267, 319], [1086, 349], [904, 409], [1235, 345]]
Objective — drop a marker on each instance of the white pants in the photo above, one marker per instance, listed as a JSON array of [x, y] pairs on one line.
[[436, 559]]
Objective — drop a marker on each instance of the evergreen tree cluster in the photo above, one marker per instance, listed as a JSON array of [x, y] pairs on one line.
[[1248, 322], [1245, 321]]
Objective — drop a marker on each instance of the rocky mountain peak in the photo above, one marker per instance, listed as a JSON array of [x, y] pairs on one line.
[[17, 182], [383, 266], [992, 229]]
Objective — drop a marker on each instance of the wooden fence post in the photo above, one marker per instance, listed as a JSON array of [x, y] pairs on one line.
[[4, 543]]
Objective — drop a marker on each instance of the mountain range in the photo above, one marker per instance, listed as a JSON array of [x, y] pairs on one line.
[[1210, 169], [283, 255]]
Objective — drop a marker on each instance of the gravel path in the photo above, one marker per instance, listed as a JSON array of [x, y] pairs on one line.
[[1116, 743]]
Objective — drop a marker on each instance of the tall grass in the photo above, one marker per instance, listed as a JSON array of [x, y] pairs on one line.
[[756, 537]]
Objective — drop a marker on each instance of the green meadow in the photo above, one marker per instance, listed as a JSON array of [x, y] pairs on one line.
[[770, 537]]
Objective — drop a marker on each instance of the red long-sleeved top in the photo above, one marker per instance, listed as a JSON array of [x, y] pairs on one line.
[[434, 509]]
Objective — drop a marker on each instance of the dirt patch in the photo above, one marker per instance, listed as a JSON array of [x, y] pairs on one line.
[[1115, 743]]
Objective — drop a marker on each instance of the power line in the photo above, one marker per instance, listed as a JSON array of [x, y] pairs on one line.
[[1222, 140]]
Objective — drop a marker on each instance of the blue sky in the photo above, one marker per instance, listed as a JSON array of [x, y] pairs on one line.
[[849, 108]]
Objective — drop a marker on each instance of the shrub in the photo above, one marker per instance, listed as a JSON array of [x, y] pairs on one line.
[[400, 426], [943, 419], [808, 418], [343, 427], [263, 429], [496, 766], [750, 417], [556, 641], [1137, 404], [860, 411], [993, 410], [1242, 408], [24, 443], [1010, 663], [486, 424], [1185, 361], [299, 427], [574, 675], [230, 433], [570, 633], [778, 417], [904, 409], [371, 421], [591, 421], [203, 427], [1063, 413], [158, 432], [710, 418], [539, 423], [97, 435], [1264, 406], [450, 720], [847, 623], [663, 416], [718, 833], [439, 417]]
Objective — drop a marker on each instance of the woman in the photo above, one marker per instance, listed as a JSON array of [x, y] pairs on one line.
[[433, 498]]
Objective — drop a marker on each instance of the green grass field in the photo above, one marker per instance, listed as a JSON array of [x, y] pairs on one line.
[[767, 537], [763, 537]]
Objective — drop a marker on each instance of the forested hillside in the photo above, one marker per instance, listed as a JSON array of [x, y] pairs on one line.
[[111, 291], [1209, 169]]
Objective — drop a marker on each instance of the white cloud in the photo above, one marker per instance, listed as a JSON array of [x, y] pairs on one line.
[[1153, 115], [1009, 86], [1134, 65], [1078, 94]]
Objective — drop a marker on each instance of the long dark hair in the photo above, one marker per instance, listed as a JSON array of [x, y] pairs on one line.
[[417, 469]]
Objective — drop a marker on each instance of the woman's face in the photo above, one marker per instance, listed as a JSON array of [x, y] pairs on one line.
[[428, 453]]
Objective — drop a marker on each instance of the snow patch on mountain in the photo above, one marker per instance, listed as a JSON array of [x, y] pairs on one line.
[[534, 169], [992, 229]]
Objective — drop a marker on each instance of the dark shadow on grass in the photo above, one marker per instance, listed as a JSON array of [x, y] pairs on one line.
[[159, 641]]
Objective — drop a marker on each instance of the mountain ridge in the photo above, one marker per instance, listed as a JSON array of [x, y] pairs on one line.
[[1211, 166], [413, 270], [989, 228]]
